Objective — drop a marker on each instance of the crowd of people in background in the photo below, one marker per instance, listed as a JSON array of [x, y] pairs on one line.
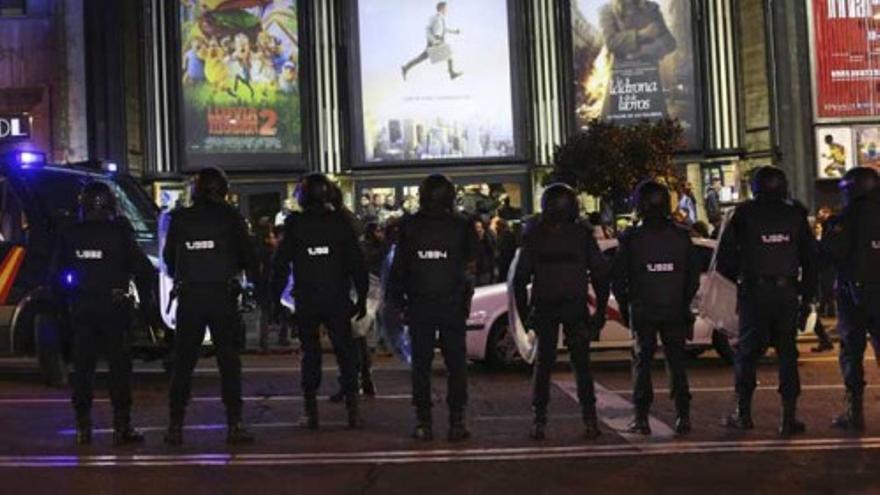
[[498, 224]]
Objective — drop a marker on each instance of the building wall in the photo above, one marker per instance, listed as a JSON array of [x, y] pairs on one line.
[[42, 74], [755, 85]]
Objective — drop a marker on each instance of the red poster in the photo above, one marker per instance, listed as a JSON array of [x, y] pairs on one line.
[[846, 44]]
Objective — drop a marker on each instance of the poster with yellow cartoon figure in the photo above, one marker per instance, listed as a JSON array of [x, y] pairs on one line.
[[240, 77]]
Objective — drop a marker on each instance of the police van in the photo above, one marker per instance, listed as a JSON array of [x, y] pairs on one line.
[[36, 199]]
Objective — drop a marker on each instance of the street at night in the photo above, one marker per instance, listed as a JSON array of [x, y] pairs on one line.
[[39, 456]]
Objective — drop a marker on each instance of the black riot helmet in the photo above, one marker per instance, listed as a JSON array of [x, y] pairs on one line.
[[857, 183], [652, 200], [770, 182], [559, 204], [436, 194], [211, 185], [315, 192], [97, 202]]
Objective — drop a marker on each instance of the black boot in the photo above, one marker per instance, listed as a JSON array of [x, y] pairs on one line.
[[355, 421], [591, 424], [457, 429], [174, 435], [539, 425], [83, 430], [640, 424], [124, 433], [741, 418], [423, 430], [790, 424], [237, 434], [310, 420], [682, 417], [853, 418], [368, 388]]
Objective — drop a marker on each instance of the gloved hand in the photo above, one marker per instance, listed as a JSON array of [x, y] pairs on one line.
[[689, 319], [276, 312], [596, 324], [803, 315], [526, 317], [360, 310]]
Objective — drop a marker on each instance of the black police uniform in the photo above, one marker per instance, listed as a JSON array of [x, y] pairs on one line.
[[655, 275], [765, 247], [322, 247], [430, 278], [560, 261], [93, 263], [206, 248], [852, 240]]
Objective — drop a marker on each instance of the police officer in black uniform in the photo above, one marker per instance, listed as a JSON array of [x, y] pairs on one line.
[[322, 246], [655, 275], [560, 257], [431, 281], [206, 249], [852, 243], [769, 250], [92, 265]]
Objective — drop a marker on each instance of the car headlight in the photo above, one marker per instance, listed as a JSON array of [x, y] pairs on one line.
[[477, 319]]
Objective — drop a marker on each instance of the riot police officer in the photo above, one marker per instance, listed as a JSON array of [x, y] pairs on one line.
[[322, 246], [655, 275], [92, 265], [852, 241], [431, 281], [206, 249], [765, 247], [560, 257]]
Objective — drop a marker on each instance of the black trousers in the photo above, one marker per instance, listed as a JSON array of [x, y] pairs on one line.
[[858, 317], [573, 318], [101, 327], [673, 335], [336, 318], [767, 316], [426, 320], [199, 307]]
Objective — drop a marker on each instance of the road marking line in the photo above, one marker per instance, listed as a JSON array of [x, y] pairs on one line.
[[253, 398], [400, 397], [617, 412], [206, 427], [441, 455]]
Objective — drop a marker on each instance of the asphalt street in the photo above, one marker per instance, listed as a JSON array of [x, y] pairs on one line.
[[37, 453]]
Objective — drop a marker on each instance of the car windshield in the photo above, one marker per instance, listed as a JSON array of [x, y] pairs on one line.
[[58, 194]]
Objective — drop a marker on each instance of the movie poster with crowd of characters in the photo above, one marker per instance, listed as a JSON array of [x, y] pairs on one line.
[[868, 144], [634, 60], [435, 80], [240, 81], [846, 56]]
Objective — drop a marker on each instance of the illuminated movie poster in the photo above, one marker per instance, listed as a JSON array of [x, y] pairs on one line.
[[868, 143], [435, 80], [846, 56], [634, 60], [834, 147], [240, 79]]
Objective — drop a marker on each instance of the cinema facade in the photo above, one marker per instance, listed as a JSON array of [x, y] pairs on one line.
[[380, 93]]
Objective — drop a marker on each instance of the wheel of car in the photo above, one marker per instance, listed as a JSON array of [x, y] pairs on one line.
[[501, 350], [722, 346], [49, 350]]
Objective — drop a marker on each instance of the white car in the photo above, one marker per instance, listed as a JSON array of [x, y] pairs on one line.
[[490, 339]]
